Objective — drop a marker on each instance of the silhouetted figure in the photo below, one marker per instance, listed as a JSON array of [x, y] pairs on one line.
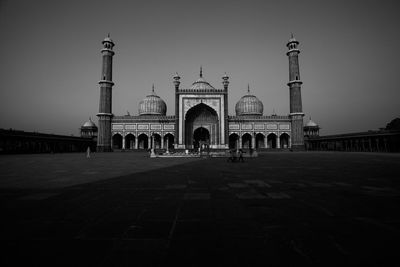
[[232, 156], [241, 155], [88, 152]]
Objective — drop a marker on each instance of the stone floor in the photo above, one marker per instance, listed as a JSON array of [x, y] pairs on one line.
[[126, 209]]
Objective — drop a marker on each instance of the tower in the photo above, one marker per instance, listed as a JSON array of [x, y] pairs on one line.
[[225, 83], [105, 112], [176, 84], [296, 110]]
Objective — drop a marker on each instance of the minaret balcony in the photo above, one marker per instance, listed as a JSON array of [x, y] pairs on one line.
[[294, 81], [292, 50], [107, 50], [106, 82]]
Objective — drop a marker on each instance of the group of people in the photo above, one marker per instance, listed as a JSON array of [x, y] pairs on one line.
[[233, 155]]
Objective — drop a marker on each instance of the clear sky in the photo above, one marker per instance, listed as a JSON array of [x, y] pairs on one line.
[[51, 62]]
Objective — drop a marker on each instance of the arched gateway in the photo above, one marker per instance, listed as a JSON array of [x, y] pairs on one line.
[[201, 125]]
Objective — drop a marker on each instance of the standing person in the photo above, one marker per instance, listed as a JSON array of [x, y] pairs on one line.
[[241, 155], [88, 152], [233, 155]]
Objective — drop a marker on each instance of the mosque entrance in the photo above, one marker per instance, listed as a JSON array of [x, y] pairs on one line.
[[201, 126], [201, 136]]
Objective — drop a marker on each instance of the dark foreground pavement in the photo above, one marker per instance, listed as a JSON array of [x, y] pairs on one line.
[[280, 209]]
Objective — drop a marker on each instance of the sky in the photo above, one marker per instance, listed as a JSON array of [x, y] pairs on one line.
[[51, 61]]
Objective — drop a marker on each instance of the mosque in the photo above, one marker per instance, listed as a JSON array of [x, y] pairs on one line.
[[201, 116]]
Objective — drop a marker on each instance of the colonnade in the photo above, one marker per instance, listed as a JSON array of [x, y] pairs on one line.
[[255, 141], [378, 142], [142, 141]]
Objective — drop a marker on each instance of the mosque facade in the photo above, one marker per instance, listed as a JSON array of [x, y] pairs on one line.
[[201, 116]]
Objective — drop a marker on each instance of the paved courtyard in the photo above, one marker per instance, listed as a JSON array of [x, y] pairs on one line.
[[126, 209]]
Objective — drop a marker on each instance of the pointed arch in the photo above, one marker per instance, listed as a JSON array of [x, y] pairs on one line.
[[284, 140], [156, 141], [260, 140], [117, 141], [246, 141], [130, 141], [169, 141], [271, 140], [143, 141], [234, 141], [201, 116]]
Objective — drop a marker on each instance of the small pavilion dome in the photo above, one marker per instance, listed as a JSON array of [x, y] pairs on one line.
[[249, 105], [108, 39], [152, 105], [89, 124], [310, 123]]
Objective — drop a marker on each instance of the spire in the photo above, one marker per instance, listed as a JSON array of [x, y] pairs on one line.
[[176, 81], [201, 71]]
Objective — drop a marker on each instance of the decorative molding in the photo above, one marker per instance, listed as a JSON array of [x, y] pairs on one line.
[[117, 126], [247, 126], [155, 126], [130, 126], [284, 126], [143, 127], [259, 127], [169, 127]]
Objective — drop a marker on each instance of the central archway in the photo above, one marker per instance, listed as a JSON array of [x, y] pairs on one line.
[[201, 124]]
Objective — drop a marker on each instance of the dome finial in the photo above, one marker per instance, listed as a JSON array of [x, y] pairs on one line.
[[108, 35], [201, 71], [248, 89], [152, 89]]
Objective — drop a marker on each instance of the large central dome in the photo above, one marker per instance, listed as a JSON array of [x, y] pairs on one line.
[[152, 105], [201, 84], [249, 105]]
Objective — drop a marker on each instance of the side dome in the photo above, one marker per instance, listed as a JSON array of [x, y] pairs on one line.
[[249, 105], [152, 105]]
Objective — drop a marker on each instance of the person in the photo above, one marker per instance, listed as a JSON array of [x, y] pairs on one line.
[[232, 156], [241, 155], [88, 152]]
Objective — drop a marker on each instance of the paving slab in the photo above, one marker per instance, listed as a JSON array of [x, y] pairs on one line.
[[126, 209]]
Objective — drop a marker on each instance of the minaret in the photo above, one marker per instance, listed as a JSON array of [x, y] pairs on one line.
[[225, 83], [106, 84], [176, 84], [296, 110]]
